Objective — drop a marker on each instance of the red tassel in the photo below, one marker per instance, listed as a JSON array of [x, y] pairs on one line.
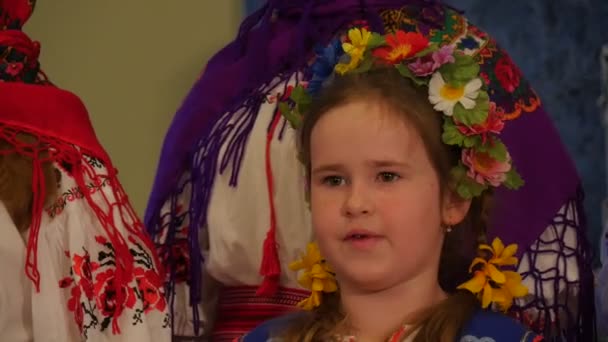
[[39, 193], [270, 268]]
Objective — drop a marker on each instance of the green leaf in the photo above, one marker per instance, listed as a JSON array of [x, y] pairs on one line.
[[429, 49], [451, 135], [495, 149], [469, 188], [375, 41], [405, 72], [514, 180], [299, 95], [470, 141], [477, 114], [458, 173], [458, 74], [290, 115]]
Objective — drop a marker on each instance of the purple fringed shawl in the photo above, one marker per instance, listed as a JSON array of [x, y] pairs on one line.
[[278, 40]]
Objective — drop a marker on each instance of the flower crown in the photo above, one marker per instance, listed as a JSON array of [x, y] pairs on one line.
[[455, 88]]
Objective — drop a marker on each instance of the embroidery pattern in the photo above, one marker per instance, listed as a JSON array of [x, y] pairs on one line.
[[94, 299]]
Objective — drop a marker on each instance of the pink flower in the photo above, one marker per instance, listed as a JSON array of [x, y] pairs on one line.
[[485, 169], [14, 69], [443, 56], [422, 68], [493, 124], [426, 65]]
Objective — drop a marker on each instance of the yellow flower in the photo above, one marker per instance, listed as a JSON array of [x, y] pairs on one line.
[[489, 283], [355, 48], [512, 288], [444, 96], [317, 276]]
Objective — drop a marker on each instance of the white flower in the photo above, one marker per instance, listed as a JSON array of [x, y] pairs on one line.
[[445, 97]]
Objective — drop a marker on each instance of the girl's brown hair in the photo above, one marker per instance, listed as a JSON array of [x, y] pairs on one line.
[[16, 172], [444, 321]]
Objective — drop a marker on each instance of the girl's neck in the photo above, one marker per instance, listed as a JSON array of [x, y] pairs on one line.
[[375, 315]]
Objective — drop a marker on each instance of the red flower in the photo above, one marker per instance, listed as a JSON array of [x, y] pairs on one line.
[[107, 294], [14, 69], [493, 124], [401, 46], [150, 287], [508, 74]]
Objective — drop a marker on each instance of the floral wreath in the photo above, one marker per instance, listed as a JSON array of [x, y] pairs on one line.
[[471, 122]]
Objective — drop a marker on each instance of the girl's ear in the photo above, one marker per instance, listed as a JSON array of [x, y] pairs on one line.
[[454, 208]]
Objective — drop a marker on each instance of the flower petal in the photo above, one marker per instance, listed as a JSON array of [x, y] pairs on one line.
[[509, 251], [483, 246], [498, 246], [466, 102], [436, 83], [296, 265], [486, 297], [473, 86], [317, 285], [354, 35], [496, 275], [510, 261], [476, 262], [475, 284], [329, 285], [514, 285], [445, 106]]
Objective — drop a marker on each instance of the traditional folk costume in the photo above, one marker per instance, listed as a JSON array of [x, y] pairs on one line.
[[228, 209], [76, 263]]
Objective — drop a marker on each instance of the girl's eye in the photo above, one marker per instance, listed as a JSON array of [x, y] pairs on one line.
[[388, 177], [333, 180]]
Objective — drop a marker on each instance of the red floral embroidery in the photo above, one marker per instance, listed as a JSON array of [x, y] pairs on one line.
[[95, 300], [75, 307], [106, 294], [507, 74], [149, 285]]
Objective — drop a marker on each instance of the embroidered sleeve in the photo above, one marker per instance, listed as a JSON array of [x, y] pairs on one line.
[[105, 298]]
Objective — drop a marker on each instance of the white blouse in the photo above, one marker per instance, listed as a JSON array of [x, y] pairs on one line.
[[76, 300]]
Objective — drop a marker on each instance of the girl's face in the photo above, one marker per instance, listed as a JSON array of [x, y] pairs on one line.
[[376, 206]]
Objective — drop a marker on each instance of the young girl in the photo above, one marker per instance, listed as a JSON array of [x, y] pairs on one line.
[[229, 208], [401, 159]]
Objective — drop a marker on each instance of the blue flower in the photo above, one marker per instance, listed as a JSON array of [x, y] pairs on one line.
[[323, 66]]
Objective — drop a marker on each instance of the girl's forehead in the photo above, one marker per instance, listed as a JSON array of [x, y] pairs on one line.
[[362, 129]]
